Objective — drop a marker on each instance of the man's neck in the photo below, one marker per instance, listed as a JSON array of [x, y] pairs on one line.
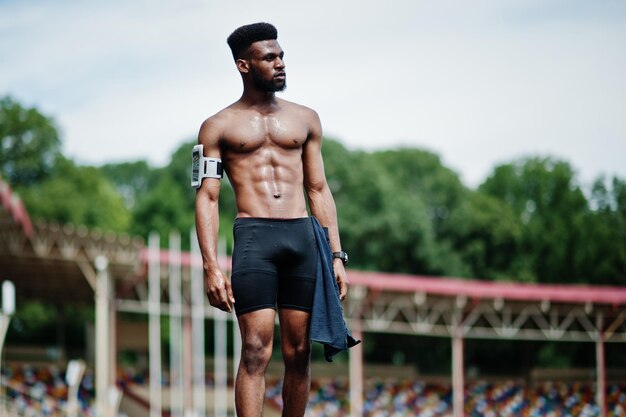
[[254, 97]]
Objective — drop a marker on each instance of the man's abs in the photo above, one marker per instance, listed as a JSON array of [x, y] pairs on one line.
[[254, 200], [268, 182]]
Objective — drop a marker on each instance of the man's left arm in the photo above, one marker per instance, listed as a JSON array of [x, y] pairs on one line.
[[321, 200]]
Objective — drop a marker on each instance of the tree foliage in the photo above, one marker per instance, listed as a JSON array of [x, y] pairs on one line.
[[487, 235], [385, 219], [131, 179], [399, 210], [77, 195], [29, 143], [602, 256], [546, 198]]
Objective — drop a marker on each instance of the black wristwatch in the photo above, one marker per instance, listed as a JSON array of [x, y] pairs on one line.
[[341, 255]]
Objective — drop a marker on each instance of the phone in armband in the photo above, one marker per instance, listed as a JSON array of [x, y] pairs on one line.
[[202, 167]]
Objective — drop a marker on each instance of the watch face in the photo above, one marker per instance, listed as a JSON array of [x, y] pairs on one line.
[[341, 255]]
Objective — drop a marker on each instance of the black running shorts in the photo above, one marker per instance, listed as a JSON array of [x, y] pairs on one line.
[[274, 264]]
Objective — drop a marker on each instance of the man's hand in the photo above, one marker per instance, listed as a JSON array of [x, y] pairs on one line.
[[342, 279], [219, 290]]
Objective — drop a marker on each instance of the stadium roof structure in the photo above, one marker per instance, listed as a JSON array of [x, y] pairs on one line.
[[61, 264], [443, 286], [54, 262]]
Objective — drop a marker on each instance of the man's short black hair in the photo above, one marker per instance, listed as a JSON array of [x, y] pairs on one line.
[[243, 37]]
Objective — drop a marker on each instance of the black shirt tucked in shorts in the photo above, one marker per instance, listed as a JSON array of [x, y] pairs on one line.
[[274, 264]]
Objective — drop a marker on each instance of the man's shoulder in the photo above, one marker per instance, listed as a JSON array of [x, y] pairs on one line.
[[300, 111], [220, 119], [222, 115], [290, 105]]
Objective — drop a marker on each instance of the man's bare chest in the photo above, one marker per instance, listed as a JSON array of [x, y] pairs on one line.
[[255, 131]]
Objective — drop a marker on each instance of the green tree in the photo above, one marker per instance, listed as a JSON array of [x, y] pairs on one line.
[[487, 235], [545, 196], [33, 323], [77, 195], [602, 257], [420, 174], [162, 209], [386, 223], [29, 143], [131, 179]]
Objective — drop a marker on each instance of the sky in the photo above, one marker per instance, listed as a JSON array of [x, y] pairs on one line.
[[480, 83]]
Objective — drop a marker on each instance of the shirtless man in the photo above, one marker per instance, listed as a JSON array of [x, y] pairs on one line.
[[271, 151]]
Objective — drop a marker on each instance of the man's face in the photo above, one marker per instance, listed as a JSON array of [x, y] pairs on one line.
[[267, 67]]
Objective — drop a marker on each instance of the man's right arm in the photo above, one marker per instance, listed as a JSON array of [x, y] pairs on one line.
[[217, 284]]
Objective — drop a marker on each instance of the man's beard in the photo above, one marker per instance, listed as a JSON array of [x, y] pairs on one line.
[[268, 86]]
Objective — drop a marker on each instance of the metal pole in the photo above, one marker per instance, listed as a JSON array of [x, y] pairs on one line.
[[102, 331], [8, 308], [236, 342], [197, 327], [220, 361], [73, 407], [600, 367], [236, 348], [5, 319], [112, 338], [457, 371], [176, 337], [356, 371], [73, 377], [114, 398], [188, 364], [154, 311]]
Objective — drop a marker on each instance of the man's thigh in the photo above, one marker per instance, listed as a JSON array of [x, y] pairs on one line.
[[294, 327], [257, 327]]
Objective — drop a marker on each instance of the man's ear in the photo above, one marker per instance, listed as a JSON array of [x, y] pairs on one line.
[[243, 66]]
